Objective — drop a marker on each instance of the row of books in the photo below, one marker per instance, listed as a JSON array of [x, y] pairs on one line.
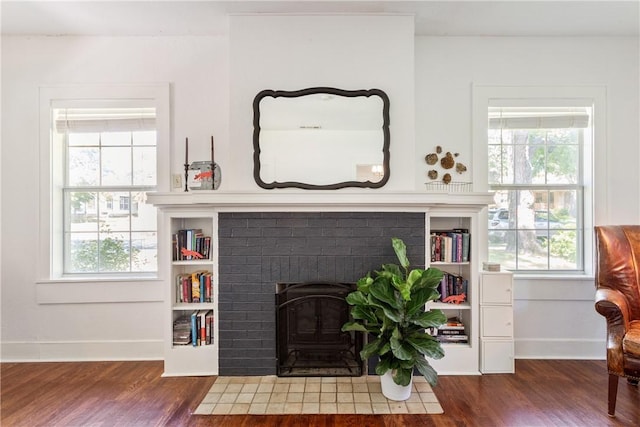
[[191, 244], [452, 332], [195, 329], [453, 288], [194, 287], [450, 245]]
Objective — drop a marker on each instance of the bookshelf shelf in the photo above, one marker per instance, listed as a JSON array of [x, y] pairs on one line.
[[447, 306], [183, 306], [193, 262]]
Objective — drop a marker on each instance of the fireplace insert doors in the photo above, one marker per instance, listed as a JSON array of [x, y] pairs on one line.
[[309, 340]]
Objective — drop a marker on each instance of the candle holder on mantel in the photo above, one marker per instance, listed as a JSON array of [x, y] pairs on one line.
[[201, 175]]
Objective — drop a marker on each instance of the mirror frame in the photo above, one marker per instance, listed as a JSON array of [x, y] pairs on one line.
[[311, 91]]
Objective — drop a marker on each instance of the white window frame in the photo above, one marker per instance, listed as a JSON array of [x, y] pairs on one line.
[[594, 174], [52, 285]]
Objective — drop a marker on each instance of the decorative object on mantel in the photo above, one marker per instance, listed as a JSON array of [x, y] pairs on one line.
[[203, 174], [391, 307], [447, 162]]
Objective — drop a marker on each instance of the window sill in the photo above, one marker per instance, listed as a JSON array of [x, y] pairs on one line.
[[104, 290]]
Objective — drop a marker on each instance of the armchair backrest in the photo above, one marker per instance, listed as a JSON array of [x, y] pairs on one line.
[[618, 266]]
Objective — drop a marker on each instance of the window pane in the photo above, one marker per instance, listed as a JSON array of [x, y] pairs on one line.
[[532, 253], [143, 216], [562, 164], [116, 166], [84, 138], [144, 166], [114, 253], [507, 173], [495, 164], [115, 207], [145, 138], [500, 250], [145, 250], [563, 248], [81, 213], [84, 166], [116, 138], [82, 252]]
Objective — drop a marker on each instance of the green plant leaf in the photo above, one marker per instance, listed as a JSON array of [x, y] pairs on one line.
[[364, 313], [399, 347], [426, 344], [430, 278], [389, 270], [402, 376], [427, 371], [401, 251], [354, 326], [393, 314], [416, 303], [364, 283], [370, 349], [429, 319], [403, 287], [383, 291], [356, 298], [383, 366], [386, 348]]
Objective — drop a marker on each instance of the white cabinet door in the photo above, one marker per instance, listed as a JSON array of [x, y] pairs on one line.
[[497, 321], [497, 356], [496, 289]]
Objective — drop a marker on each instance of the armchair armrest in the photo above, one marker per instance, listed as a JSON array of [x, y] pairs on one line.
[[613, 306]]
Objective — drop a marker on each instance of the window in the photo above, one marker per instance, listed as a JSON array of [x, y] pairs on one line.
[[108, 157], [98, 144], [538, 158]]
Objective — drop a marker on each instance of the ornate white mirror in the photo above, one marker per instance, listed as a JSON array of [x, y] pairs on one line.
[[321, 138]]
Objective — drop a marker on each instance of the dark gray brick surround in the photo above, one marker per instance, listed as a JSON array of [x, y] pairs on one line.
[[258, 250]]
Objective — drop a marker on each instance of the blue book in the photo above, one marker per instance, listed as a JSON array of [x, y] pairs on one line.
[[194, 328]]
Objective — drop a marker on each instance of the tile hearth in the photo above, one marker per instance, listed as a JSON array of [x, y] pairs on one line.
[[271, 395]]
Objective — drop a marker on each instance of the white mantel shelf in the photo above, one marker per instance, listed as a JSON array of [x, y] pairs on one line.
[[318, 200]]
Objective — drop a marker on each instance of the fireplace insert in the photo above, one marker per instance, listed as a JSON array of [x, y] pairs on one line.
[[309, 339]]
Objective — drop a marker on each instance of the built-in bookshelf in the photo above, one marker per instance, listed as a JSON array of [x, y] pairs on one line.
[[191, 347], [199, 211], [453, 249]]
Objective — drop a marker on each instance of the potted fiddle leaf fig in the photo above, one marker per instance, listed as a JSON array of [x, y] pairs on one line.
[[390, 306]]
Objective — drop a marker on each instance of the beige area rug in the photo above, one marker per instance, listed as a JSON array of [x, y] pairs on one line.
[[271, 395]]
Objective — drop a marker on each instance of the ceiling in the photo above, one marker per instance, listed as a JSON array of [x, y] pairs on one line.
[[432, 18]]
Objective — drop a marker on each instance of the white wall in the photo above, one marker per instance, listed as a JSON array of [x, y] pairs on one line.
[[197, 68], [347, 52], [554, 317], [213, 83]]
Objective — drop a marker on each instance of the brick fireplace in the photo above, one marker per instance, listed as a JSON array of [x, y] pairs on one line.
[[257, 250]]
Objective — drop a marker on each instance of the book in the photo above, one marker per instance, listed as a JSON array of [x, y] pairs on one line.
[[182, 331], [202, 325], [194, 328], [209, 322]]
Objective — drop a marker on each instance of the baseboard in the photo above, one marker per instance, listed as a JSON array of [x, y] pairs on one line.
[[566, 348], [81, 351]]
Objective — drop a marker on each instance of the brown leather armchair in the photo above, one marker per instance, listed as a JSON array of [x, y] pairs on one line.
[[618, 300]]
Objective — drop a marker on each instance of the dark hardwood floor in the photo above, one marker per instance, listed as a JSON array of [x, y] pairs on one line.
[[541, 393]]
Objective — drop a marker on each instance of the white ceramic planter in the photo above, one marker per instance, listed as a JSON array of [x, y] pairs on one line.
[[393, 391]]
